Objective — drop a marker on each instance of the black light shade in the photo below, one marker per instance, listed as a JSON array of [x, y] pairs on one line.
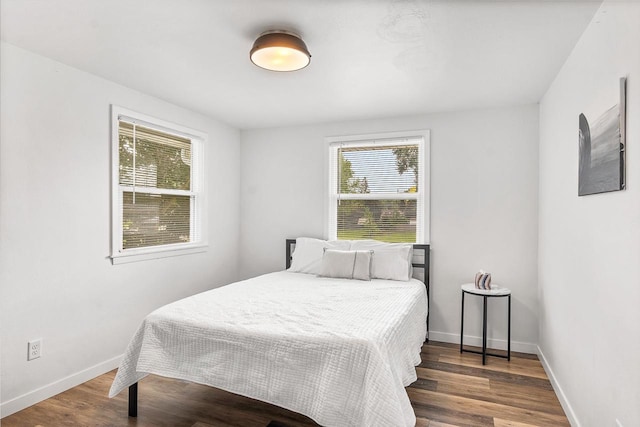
[[280, 51]]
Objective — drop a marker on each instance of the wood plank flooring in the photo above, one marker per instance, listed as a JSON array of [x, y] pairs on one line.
[[452, 389]]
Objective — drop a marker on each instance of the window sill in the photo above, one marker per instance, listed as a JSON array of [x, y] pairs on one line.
[[125, 258]]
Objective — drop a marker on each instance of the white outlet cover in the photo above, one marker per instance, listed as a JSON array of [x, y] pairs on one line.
[[34, 349]]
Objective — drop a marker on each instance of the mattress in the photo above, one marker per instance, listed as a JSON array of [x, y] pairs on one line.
[[339, 351]]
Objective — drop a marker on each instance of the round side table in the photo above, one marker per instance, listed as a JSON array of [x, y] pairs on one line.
[[495, 291]]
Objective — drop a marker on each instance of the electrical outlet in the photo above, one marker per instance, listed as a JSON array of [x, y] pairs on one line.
[[618, 423], [34, 349]]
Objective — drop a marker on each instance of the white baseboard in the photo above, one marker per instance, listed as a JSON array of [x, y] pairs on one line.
[[38, 395], [564, 402], [522, 347]]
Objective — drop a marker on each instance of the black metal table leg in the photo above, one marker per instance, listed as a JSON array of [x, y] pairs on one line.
[[462, 323], [133, 400], [484, 331], [509, 331]]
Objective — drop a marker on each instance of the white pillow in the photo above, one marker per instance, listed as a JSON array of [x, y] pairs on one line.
[[389, 260], [346, 264], [307, 255]]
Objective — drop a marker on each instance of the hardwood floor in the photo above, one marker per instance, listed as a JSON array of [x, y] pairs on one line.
[[452, 389]]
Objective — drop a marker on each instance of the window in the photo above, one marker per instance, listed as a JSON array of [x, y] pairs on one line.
[[156, 198], [378, 187]]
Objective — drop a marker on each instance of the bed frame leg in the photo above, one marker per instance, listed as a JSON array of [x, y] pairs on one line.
[[133, 400]]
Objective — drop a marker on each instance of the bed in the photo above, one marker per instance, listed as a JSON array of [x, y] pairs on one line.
[[339, 351]]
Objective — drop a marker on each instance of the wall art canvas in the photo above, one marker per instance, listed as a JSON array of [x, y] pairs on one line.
[[601, 138]]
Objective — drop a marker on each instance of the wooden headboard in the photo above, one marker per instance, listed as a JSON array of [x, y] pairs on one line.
[[417, 248]]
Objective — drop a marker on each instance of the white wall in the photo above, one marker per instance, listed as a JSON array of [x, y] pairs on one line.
[[484, 186], [589, 246], [57, 282]]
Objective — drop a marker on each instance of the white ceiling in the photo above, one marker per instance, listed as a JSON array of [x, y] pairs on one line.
[[370, 58]]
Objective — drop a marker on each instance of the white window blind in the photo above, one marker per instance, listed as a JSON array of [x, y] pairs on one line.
[[157, 199], [377, 189]]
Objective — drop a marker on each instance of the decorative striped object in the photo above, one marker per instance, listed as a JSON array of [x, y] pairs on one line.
[[483, 280]]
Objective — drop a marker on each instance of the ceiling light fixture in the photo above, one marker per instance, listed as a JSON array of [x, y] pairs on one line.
[[280, 51]]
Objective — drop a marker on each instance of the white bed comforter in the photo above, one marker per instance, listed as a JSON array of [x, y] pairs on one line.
[[339, 351]]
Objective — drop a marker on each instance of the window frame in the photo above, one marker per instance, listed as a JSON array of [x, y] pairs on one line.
[[423, 216], [197, 225]]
